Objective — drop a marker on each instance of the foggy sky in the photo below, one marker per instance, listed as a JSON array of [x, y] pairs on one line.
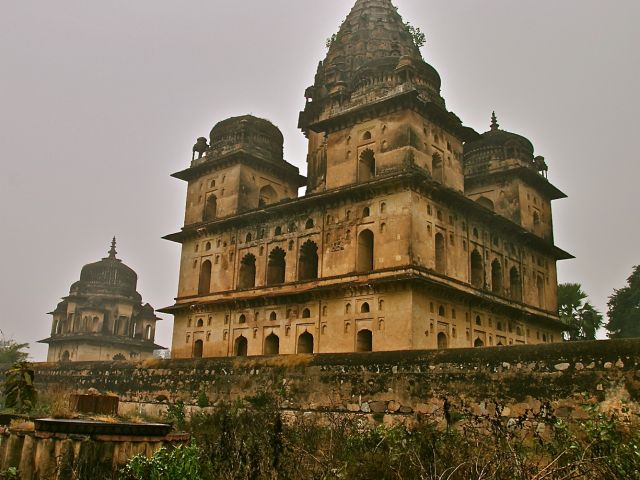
[[100, 101]]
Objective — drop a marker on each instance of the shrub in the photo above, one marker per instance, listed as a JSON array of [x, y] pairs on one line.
[[179, 463]]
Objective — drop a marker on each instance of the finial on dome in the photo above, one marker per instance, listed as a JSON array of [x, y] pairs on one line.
[[112, 252], [494, 122]]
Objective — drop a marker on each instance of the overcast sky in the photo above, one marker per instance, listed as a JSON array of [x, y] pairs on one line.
[[100, 101]]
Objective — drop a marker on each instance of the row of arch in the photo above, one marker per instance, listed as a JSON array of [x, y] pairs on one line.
[[308, 264], [478, 271], [121, 326], [305, 344], [266, 196]]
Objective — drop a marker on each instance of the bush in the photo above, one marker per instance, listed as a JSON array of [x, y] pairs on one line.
[[180, 463]]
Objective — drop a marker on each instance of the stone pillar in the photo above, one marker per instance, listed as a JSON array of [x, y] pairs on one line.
[[27, 460]]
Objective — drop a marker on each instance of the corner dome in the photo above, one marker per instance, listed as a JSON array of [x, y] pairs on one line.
[[497, 144], [107, 276], [247, 133]]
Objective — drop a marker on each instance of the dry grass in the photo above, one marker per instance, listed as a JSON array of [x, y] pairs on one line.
[[104, 419], [22, 425], [275, 361]]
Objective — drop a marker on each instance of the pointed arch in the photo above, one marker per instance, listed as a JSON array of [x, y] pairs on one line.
[[515, 284], [364, 341], [240, 346], [247, 276], [366, 165], [267, 196], [210, 208], [308, 261], [305, 343], [478, 343], [443, 341], [477, 269], [496, 277], [276, 267], [441, 254], [198, 348], [272, 344], [204, 285], [365, 260]]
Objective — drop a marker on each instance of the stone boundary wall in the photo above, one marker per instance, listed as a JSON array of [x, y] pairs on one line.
[[566, 376], [46, 456]]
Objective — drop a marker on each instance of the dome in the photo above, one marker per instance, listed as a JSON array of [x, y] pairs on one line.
[[108, 276], [249, 133], [497, 144]]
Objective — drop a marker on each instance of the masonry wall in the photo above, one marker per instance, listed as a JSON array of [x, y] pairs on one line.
[[399, 384]]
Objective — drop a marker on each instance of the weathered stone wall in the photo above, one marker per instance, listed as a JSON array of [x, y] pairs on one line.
[[40, 456], [569, 376]]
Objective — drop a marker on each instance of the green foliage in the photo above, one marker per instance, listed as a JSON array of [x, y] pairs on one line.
[[624, 309], [418, 37], [330, 41], [577, 313], [176, 415], [180, 463], [10, 474], [203, 399], [19, 391], [12, 352]]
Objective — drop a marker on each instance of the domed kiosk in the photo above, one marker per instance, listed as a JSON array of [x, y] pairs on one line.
[[103, 318]]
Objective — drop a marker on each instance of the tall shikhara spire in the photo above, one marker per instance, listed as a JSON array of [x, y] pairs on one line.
[[373, 54]]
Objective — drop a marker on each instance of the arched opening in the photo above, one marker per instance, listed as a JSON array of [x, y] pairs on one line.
[[148, 334], [278, 231], [478, 343], [308, 262], [210, 208], [272, 345], [66, 356], [496, 277], [242, 318], [366, 165], [515, 284], [198, 347], [365, 251], [441, 259], [116, 326], [204, 287], [437, 166], [366, 135], [267, 196], [305, 343], [200, 323], [306, 313], [478, 320], [477, 270], [273, 316], [486, 203], [441, 311], [540, 288], [309, 224], [240, 347], [276, 267], [365, 308], [366, 212], [247, 277], [443, 341], [364, 341]]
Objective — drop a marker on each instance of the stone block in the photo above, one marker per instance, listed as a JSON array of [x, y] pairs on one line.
[[561, 367], [353, 407], [393, 406], [378, 407]]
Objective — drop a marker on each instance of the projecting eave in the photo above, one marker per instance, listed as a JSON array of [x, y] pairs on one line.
[[403, 99], [412, 177], [527, 174], [103, 340], [242, 155]]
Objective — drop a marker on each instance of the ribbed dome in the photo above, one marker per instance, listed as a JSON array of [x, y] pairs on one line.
[[109, 276], [497, 144], [249, 133]]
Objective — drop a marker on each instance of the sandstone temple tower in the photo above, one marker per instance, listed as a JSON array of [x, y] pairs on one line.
[[103, 317], [415, 231]]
